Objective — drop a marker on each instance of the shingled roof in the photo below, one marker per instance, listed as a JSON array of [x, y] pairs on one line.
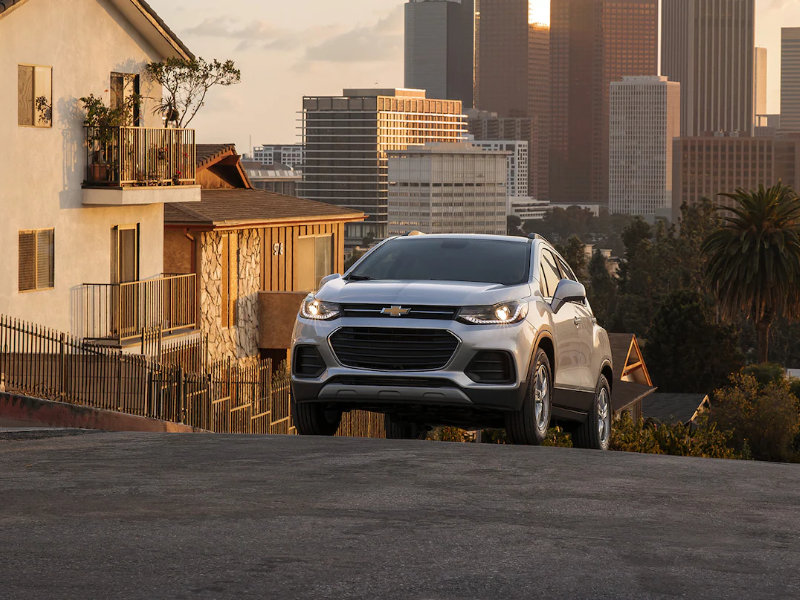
[[242, 207], [207, 153], [6, 4]]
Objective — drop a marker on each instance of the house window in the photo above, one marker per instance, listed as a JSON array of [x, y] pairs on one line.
[[124, 88], [313, 261], [36, 259], [34, 96], [230, 278]]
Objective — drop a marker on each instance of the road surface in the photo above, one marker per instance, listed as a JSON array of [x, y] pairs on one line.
[[102, 515]]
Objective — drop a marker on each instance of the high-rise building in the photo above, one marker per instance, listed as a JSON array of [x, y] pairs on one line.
[[708, 46], [346, 139], [760, 83], [518, 156], [447, 188], [488, 126], [645, 118], [501, 71], [290, 155], [539, 107], [592, 43], [704, 167], [439, 48], [790, 78]]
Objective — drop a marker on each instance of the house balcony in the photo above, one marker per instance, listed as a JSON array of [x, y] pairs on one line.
[[120, 313], [139, 165]]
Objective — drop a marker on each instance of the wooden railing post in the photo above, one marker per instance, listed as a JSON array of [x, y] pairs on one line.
[[62, 366]]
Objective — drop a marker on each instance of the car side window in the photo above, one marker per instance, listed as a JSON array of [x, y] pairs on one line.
[[549, 274], [568, 273]]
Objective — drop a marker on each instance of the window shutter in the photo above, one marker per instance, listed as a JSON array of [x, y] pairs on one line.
[[25, 95], [27, 261], [44, 259]]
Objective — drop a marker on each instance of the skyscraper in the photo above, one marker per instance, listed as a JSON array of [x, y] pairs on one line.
[[592, 43], [539, 108], [790, 78], [502, 57], [439, 48], [645, 118], [346, 139], [760, 82], [708, 46]]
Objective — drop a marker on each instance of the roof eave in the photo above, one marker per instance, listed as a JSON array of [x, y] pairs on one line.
[[257, 223]]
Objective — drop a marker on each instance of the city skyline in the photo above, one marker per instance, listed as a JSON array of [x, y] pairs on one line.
[[314, 47]]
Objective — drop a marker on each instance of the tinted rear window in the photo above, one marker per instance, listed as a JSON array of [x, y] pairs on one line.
[[448, 259]]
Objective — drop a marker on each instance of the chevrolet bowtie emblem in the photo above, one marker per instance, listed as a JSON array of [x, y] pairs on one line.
[[395, 311]]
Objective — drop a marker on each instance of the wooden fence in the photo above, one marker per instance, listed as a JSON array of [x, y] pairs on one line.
[[177, 384]]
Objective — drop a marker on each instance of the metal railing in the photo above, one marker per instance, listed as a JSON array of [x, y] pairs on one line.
[[123, 311], [130, 156]]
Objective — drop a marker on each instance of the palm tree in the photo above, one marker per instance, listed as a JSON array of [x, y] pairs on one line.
[[754, 258]]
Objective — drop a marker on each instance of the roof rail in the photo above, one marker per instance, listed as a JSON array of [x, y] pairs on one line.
[[536, 236]]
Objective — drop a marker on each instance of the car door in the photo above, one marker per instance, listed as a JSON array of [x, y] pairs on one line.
[[584, 322], [566, 322]]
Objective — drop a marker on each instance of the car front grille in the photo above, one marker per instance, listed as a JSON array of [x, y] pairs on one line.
[[443, 313], [393, 349]]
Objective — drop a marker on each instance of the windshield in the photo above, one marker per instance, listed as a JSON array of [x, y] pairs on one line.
[[447, 259]]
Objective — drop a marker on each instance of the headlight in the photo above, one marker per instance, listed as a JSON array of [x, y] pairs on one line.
[[502, 313], [311, 308]]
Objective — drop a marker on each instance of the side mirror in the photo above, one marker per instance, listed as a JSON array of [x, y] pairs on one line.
[[328, 278], [568, 291]]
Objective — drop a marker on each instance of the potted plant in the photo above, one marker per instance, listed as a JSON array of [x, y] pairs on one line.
[[102, 122]]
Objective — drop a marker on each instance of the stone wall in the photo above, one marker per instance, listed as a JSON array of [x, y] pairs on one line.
[[241, 340]]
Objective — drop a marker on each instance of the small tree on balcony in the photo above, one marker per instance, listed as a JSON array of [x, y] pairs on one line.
[[185, 84], [103, 120]]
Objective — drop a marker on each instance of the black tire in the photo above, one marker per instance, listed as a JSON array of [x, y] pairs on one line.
[[525, 426], [398, 429], [591, 434], [313, 419]]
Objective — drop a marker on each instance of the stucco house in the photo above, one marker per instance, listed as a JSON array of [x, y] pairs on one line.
[[255, 253], [83, 224]]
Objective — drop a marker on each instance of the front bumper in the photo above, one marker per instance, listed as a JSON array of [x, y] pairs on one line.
[[351, 388]]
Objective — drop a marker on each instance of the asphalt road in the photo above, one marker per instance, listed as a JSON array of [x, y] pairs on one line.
[[200, 516]]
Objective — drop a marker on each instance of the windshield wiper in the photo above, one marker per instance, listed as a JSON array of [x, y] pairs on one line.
[[358, 278]]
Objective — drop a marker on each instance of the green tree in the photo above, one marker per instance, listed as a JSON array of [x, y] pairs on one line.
[[686, 351], [514, 225], [575, 254], [602, 289], [754, 258], [185, 83]]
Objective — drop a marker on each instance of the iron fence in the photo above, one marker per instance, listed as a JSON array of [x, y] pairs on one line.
[[175, 383]]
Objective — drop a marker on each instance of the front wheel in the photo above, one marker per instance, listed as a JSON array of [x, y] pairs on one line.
[[529, 424], [314, 419], [596, 432]]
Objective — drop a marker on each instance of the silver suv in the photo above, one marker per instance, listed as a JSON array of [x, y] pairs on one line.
[[466, 330]]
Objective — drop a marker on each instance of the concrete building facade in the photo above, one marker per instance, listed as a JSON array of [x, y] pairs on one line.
[[704, 167], [290, 155], [539, 108], [517, 179], [645, 118], [592, 43], [447, 188], [59, 232], [347, 138], [708, 47], [790, 78], [440, 47]]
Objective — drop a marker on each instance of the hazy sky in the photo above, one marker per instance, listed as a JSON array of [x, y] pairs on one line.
[[288, 48]]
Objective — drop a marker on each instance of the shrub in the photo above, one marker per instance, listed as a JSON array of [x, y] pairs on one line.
[[764, 418], [765, 373], [703, 439]]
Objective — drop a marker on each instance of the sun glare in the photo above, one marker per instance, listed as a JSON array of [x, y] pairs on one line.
[[539, 11]]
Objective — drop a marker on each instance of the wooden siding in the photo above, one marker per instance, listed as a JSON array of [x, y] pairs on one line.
[[278, 270]]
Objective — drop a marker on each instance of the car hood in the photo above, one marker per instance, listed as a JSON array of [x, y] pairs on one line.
[[441, 293]]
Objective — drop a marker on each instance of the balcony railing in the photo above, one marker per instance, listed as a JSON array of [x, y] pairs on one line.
[[122, 311], [139, 156]]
